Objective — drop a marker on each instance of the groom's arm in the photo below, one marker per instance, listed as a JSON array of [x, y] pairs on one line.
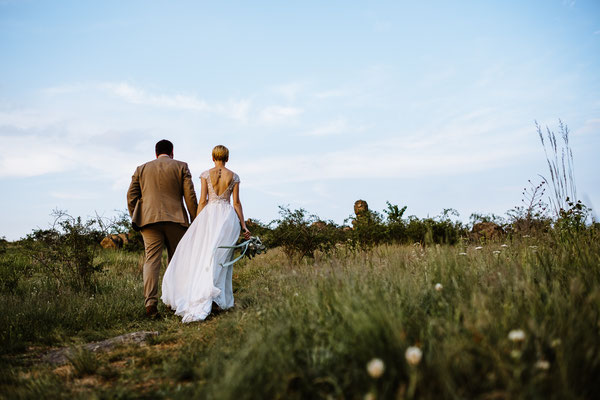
[[134, 193], [189, 194]]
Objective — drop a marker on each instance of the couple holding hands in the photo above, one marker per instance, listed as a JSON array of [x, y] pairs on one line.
[[196, 276]]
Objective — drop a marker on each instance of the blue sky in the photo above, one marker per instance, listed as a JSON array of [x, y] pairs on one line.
[[425, 104]]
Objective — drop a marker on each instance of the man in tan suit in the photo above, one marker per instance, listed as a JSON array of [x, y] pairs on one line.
[[155, 204]]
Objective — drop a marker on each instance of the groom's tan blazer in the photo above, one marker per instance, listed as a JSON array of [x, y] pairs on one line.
[[156, 192]]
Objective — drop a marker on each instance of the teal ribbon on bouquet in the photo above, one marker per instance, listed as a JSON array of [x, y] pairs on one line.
[[250, 248]]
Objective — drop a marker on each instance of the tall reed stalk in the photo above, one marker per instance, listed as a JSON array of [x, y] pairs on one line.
[[560, 163]]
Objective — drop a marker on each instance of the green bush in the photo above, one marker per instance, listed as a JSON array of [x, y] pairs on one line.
[[14, 266], [263, 231], [66, 252], [368, 230], [301, 234], [122, 224]]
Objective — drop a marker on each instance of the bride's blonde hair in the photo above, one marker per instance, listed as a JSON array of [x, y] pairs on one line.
[[220, 153]]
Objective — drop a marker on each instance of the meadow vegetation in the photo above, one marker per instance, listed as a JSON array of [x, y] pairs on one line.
[[517, 317], [385, 306]]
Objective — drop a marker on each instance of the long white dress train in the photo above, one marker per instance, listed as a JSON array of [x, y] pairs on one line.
[[195, 277]]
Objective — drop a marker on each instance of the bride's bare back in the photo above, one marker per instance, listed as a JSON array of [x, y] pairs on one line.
[[220, 178], [224, 183]]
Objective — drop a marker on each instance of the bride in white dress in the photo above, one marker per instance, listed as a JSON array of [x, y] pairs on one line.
[[195, 277]]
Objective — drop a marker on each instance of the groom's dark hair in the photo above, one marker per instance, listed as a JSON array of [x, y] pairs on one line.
[[164, 147]]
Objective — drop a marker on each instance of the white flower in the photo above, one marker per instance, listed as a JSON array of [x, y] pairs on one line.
[[478, 248], [533, 247], [516, 335], [375, 368], [496, 251], [504, 245], [413, 355], [526, 236], [543, 365], [438, 287], [462, 254]]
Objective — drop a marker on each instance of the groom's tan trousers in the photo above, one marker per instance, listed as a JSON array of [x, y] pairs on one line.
[[155, 237]]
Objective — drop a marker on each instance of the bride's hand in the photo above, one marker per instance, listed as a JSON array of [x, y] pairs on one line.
[[246, 233]]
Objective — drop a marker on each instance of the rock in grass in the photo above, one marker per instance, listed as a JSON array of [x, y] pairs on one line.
[[61, 356]]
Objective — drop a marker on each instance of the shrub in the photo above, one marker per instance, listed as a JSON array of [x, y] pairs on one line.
[[13, 267], [66, 251], [122, 224], [263, 231], [396, 227], [302, 234], [368, 230]]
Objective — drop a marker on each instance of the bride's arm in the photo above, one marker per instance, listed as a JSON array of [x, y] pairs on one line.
[[203, 195], [237, 206]]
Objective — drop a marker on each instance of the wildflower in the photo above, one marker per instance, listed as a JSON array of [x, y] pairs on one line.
[[515, 354], [496, 251], [375, 368], [516, 335], [462, 254], [526, 236], [533, 247], [555, 343], [478, 248], [438, 287], [543, 365], [413, 355], [370, 396], [504, 245]]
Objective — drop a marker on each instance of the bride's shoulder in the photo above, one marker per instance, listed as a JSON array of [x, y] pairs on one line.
[[205, 174], [236, 177]]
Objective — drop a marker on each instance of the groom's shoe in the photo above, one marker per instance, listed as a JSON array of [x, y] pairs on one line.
[[152, 312]]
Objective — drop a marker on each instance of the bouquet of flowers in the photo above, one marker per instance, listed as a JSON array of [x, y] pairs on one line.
[[250, 248]]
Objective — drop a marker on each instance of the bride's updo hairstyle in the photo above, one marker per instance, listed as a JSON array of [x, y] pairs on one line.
[[220, 153]]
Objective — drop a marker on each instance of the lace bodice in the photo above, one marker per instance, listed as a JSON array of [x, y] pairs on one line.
[[223, 197]]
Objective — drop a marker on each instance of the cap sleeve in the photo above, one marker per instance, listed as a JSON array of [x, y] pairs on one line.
[[236, 178], [204, 174]]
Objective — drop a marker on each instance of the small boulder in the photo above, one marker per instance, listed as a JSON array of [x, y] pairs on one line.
[[360, 207], [486, 230], [115, 241], [319, 225]]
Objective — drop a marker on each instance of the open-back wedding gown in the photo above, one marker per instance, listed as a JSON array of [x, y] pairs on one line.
[[195, 277]]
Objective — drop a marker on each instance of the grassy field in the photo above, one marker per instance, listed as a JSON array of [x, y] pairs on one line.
[[310, 329]]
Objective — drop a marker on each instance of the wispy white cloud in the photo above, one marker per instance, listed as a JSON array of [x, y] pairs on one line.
[[234, 109], [590, 126], [334, 127], [135, 95], [32, 157], [453, 150], [332, 93], [72, 195], [289, 91], [276, 114], [28, 118]]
